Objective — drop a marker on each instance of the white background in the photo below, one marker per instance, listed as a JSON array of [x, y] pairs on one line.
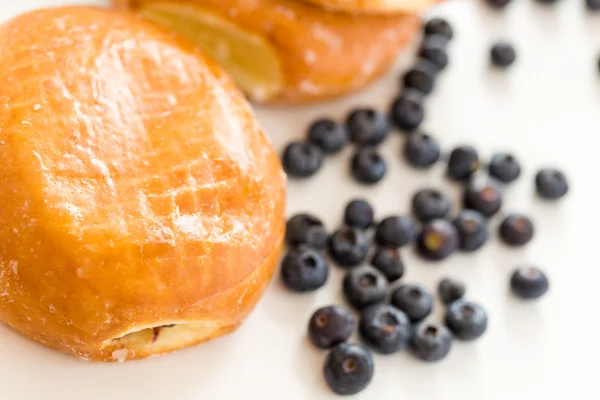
[[546, 109]]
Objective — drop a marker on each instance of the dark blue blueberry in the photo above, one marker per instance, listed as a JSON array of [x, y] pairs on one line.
[[428, 204], [302, 159], [433, 49], [550, 183], [463, 163], [367, 127], [431, 341], [414, 300], [421, 77], [503, 54], [348, 368], [388, 261], [384, 328], [472, 230], [328, 135], [396, 231], [438, 240], [421, 150], [364, 286], [305, 229], [516, 230], [498, 3], [504, 167], [439, 26], [407, 111], [529, 283], [368, 166], [483, 195], [466, 320], [348, 246], [451, 290], [304, 269], [359, 214], [330, 326], [593, 5]]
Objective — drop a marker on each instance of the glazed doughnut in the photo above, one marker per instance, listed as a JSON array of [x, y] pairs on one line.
[[375, 6], [287, 51], [141, 205]]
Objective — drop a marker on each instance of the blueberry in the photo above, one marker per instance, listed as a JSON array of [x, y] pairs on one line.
[[407, 111], [395, 231], [547, 1], [503, 54], [414, 300], [364, 286], [431, 341], [348, 368], [367, 127], [437, 240], [384, 328], [368, 166], [516, 230], [433, 49], [304, 269], [593, 5], [305, 229], [550, 183], [421, 150], [388, 261], [302, 160], [463, 163], [472, 230], [348, 246], [439, 26], [330, 326], [504, 167], [359, 214], [328, 135], [483, 195], [428, 204], [421, 77], [466, 320], [451, 290], [529, 283], [498, 3]]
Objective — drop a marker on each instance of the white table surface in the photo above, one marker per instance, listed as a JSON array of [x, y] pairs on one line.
[[546, 109]]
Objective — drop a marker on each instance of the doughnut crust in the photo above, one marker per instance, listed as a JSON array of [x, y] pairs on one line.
[[376, 6]]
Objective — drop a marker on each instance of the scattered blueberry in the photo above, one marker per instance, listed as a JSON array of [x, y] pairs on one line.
[[516, 230], [428, 204], [414, 300], [388, 261], [348, 246], [304, 269], [407, 111], [421, 150], [367, 127], [439, 26], [503, 54], [364, 286], [302, 159], [593, 5], [438, 239], [328, 135], [466, 320], [330, 326], [433, 49], [504, 167], [396, 231], [384, 328], [463, 163], [348, 368], [431, 341], [483, 195], [547, 1], [498, 3], [368, 166], [359, 214], [421, 77], [472, 230], [305, 229], [551, 183], [529, 283], [451, 290]]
